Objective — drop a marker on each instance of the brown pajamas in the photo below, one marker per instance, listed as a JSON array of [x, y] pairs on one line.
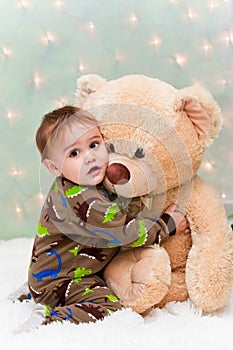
[[81, 228], [67, 283], [88, 301]]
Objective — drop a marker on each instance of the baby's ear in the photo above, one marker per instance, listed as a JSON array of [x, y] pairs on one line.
[[86, 85], [51, 166], [202, 110]]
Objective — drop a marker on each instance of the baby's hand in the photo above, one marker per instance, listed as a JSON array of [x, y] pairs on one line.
[[182, 224]]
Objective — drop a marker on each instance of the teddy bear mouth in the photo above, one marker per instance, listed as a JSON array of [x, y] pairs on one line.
[[118, 174]]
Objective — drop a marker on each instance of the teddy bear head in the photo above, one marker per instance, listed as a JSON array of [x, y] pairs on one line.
[[156, 134]]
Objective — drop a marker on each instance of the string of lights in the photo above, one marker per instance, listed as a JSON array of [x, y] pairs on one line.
[[46, 45]]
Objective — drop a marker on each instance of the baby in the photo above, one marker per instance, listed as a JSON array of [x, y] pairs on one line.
[[82, 224]]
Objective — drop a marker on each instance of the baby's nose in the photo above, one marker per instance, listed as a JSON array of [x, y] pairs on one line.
[[89, 157]]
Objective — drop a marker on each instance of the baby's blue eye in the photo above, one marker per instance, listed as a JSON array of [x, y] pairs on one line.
[[74, 153]]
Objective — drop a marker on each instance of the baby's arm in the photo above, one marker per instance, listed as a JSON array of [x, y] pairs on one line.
[[106, 220]]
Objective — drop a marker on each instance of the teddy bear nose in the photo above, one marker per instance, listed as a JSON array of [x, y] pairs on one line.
[[118, 174]]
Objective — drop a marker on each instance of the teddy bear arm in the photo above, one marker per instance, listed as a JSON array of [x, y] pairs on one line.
[[209, 269]]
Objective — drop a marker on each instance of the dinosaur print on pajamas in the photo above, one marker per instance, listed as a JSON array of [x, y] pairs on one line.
[[52, 213], [94, 311], [49, 272], [65, 273], [93, 253]]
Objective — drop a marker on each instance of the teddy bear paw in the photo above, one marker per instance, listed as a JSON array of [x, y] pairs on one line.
[[140, 277]]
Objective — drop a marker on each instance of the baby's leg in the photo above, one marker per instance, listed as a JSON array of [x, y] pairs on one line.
[[85, 301]]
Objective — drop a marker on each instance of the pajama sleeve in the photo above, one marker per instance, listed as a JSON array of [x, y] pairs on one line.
[[107, 224]]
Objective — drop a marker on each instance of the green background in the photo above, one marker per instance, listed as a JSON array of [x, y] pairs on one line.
[[46, 45]]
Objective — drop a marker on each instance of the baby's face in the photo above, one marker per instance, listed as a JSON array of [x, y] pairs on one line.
[[81, 155]]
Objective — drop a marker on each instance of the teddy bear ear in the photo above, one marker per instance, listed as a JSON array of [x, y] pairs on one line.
[[202, 110], [86, 85]]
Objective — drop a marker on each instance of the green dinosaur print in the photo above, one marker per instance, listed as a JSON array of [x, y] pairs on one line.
[[74, 251], [87, 291], [55, 187], [142, 234], [112, 245], [47, 310], [81, 272], [111, 213], [110, 311], [111, 297], [42, 231], [75, 190]]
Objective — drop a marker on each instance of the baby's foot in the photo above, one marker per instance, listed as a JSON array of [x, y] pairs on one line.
[[22, 293]]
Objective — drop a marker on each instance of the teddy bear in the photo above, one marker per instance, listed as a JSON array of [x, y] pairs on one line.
[[157, 135]]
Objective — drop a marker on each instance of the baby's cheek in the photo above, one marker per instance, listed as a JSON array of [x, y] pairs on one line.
[[104, 156]]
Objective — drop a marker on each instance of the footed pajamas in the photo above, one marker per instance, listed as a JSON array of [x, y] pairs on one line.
[[81, 228]]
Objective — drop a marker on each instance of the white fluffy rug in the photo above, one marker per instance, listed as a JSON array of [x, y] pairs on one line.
[[178, 326]]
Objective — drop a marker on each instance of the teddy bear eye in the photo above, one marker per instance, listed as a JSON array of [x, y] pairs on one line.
[[111, 148], [139, 153]]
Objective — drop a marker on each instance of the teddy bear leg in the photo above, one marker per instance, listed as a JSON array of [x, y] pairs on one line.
[[178, 248], [209, 277], [139, 277], [209, 269], [177, 290]]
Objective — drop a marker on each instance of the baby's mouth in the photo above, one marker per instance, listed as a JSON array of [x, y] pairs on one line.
[[93, 170]]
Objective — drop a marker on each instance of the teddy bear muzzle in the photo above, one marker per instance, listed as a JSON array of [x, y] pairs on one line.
[[129, 177]]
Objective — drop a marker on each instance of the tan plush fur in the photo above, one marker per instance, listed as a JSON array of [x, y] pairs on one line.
[[173, 127]]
